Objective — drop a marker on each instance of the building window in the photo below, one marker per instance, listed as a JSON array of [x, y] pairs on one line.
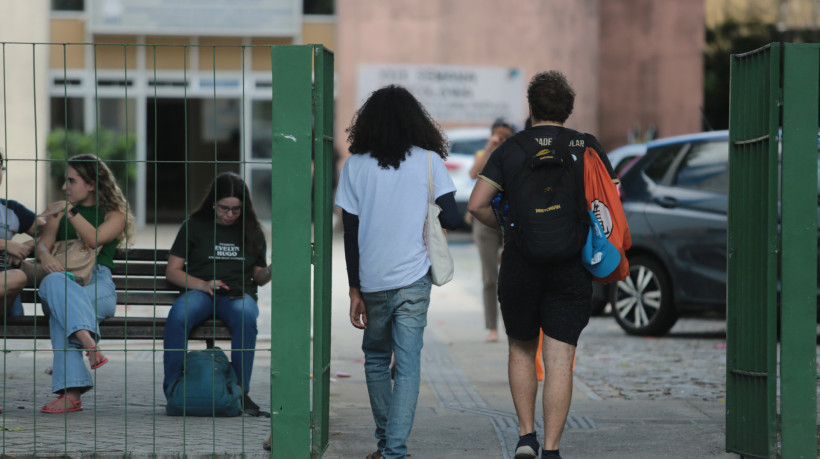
[[262, 139], [319, 7], [67, 113], [68, 5]]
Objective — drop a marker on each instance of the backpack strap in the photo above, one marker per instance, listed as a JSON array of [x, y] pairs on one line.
[[531, 147]]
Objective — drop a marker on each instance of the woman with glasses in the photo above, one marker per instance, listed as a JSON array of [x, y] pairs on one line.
[[218, 260]]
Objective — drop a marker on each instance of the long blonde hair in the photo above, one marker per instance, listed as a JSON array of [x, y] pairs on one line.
[[109, 195]]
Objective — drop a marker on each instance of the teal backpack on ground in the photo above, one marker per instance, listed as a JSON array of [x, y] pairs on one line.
[[208, 387]]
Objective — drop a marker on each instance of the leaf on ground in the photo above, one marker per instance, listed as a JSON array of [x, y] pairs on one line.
[[15, 429]]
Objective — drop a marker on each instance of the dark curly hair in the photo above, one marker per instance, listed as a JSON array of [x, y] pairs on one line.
[[390, 123], [231, 185], [550, 96]]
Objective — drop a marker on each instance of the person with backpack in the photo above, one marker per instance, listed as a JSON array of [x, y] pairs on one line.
[[217, 259], [542, 281], [383, 194]]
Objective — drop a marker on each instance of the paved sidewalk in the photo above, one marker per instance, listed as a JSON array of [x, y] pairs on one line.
[[464, 411]]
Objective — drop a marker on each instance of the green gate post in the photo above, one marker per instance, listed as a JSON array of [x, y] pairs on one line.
[[291, 251], [751, 333], [322, 213], [779, 79], [798, 348]]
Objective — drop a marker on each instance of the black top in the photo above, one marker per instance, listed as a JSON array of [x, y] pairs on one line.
[[213, 251], [506, 160]]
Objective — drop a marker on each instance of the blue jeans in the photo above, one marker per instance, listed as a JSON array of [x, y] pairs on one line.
[[16, 308], [239, 314], [71, 307], [395, 326]]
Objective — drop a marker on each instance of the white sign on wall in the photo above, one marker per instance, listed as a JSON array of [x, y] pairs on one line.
[[263, 18], [453, 94]]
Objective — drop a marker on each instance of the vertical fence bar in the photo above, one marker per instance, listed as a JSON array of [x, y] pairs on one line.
[[291, 248], [322, 213], [751, 377], [798, 386]]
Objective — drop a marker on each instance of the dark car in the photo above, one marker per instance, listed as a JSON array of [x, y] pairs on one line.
[[676, 199]]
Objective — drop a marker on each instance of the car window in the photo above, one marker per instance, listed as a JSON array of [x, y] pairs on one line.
[[662, 161], [705, 167], [467, 146], [623, 163]]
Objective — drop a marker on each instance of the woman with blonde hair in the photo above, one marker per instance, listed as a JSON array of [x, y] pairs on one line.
[[95, 211]]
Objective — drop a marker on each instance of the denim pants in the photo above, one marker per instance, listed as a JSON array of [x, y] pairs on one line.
[[395, 326], [239, 314], [71, 307]]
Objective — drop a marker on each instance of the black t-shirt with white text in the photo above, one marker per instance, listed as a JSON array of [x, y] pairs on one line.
[[506, 160], [213, 251]]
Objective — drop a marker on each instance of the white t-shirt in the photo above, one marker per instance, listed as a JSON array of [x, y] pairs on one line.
[[391, 205]]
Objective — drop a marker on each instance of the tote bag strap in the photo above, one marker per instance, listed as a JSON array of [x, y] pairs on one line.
[[430, 177]]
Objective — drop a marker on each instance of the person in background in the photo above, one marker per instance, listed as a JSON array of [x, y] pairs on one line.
[[487, 239], [95, 210], [218, 260], [383, 196]]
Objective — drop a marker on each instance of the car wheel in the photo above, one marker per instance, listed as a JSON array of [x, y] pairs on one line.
[[642, 303]]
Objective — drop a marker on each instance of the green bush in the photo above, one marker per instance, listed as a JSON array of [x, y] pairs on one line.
[[117, 150]]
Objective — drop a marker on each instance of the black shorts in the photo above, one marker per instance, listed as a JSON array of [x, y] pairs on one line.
[[555, 297]]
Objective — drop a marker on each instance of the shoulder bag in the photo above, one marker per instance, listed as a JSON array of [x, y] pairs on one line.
[[441, 260], [604, 205], [78, 258]]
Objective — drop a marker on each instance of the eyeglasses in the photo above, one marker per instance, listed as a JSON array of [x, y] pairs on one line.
[[225, 209]]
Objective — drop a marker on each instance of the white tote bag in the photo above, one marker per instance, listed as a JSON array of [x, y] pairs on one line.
[[441, 260]]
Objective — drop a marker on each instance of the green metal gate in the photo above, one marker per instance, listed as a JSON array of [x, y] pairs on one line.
[[772, 87], [297, 159], [303, 88]]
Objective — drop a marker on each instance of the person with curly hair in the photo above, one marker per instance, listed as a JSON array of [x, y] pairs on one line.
[[552, 296], [94, 210], [383, 196], [218, 259]]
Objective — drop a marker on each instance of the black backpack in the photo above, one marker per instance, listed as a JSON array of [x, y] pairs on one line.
[[548, 218]]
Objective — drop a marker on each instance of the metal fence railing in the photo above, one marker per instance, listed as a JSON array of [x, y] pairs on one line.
[[167, 120]]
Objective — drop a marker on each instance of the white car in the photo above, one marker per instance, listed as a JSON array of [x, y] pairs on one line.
[[622, 157], [464, 142]]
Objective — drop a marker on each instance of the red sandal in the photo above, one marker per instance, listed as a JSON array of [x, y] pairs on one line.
[[76, 405], [94, 363]]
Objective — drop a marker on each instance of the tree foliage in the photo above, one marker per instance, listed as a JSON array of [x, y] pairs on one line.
[[721, 42], [117, 150]]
